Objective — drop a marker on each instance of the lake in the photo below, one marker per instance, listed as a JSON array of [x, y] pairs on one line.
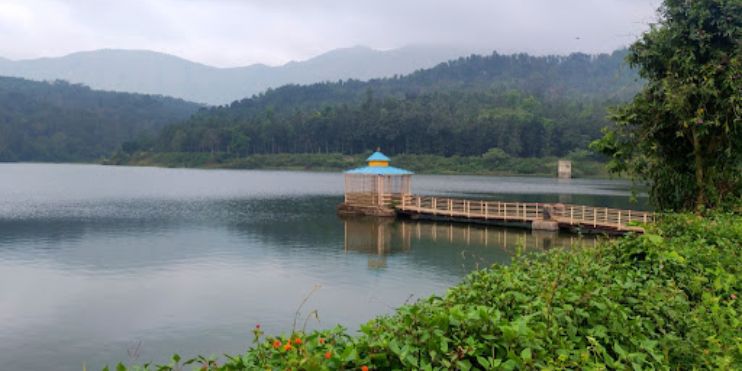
[[104, 264]]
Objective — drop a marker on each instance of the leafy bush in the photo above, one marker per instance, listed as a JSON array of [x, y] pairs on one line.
[[665, 299]]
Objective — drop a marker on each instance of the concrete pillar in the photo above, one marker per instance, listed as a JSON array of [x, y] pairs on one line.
[[544, 225], [564, 169]]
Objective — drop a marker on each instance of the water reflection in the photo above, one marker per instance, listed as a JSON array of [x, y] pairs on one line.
[[95, 259], [381, 237]]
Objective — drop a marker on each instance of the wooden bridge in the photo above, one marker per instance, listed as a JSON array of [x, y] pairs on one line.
[[537, 215], [382, 190]]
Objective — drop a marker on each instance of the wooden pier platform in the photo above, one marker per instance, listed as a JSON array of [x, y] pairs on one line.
[[524, 214]]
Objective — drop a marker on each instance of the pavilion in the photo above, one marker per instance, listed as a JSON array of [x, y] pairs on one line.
[[375, 189]]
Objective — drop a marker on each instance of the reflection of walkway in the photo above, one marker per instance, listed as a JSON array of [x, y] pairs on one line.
[[505, 238], [380, 237]]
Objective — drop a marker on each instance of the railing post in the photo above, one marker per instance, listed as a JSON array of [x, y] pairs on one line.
[[645, 218], [619, 219], [486, 209], [571, 215], [595, 217]]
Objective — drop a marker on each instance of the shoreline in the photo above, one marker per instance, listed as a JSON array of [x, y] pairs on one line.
[[420, 164]]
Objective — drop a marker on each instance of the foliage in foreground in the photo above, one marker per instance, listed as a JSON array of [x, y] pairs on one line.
[[665, 299]]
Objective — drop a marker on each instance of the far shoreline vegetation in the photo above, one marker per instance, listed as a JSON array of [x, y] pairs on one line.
[[493, 163]]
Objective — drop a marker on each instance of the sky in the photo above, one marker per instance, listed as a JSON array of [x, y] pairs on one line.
[[228, 33]]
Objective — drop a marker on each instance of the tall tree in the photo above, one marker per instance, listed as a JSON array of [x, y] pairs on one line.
[[683, 131]]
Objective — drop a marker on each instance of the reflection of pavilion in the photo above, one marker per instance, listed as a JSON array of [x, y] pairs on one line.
[[375, 236], [380, 237]]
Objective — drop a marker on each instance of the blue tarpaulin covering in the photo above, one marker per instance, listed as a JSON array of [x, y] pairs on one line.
[[378, 156]]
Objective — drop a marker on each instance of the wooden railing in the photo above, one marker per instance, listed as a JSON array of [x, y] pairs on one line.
[[600, 216], [514, 211], [574, 215], [374, 199]]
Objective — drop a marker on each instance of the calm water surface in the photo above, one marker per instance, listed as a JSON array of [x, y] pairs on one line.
[[105, 264]]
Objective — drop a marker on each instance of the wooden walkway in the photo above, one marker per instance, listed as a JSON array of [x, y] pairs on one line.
[[565, 215]]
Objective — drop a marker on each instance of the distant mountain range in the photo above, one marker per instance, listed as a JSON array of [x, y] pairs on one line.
[[148, 72]]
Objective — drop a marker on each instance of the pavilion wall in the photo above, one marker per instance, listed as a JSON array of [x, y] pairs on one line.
[[372, 190]]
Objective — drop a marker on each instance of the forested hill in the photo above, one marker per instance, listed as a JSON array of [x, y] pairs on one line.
[[58, 121], [524, 105]]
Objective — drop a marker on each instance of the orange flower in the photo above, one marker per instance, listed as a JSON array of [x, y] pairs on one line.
[[321, 340], [297, 341], [287, 347], [364, 368], [328, 354], [288, 342], [276, 344]]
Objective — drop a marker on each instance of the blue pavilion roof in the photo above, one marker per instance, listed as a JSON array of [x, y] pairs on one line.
[[379, 170], [378, 156]]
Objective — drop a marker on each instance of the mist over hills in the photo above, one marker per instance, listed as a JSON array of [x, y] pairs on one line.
[[148, 72]]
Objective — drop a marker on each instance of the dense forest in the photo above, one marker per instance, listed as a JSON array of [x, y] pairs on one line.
[[524, 105], [518, 106], [57, 121]]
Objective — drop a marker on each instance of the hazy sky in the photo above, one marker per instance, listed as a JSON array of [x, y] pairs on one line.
[[241, 32]]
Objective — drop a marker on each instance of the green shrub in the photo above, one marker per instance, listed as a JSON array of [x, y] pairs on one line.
[[666, 299]]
